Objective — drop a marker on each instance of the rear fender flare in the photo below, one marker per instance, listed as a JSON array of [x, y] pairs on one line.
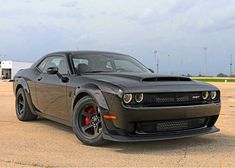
[[22, 82]]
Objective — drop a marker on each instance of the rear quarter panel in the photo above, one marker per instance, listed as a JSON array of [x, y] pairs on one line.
[[26, 79]]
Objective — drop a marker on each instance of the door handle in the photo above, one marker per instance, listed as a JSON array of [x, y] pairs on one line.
[[40, 78]]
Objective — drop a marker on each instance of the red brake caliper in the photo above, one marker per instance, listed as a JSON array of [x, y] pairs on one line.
[[89, 111]]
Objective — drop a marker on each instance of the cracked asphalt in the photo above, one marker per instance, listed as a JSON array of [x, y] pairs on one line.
[[44, 143]]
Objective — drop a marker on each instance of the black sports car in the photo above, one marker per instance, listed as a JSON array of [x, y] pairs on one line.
[[109, 96]]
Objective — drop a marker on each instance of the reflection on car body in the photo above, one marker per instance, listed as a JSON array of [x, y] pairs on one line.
[[110, 96]]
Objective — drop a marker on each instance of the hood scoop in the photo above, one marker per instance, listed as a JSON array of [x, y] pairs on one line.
[[165, 79]]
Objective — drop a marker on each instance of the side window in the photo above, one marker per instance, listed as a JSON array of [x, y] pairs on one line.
[[41, 66], [57, 61], [81, 64], [78, 61], [109, 65]]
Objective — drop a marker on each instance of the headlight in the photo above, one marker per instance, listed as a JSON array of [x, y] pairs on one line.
[[139, 97], [119, 93], [205, 95], [127, 98], [213, 95]]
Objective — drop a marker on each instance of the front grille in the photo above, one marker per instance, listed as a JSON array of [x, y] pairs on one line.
[[168, 126], [172, 99]]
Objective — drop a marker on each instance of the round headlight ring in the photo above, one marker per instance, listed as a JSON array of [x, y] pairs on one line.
[[127, 98], [139, 97], [213, 95], [205, 95]]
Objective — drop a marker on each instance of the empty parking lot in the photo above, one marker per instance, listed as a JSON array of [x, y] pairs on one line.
[[46, 143]]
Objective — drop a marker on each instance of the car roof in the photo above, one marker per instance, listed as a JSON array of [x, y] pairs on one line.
[[68, 53], [86, 52]]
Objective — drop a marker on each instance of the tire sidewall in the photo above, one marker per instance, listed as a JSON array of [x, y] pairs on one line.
[[20, 92], [75, 123]]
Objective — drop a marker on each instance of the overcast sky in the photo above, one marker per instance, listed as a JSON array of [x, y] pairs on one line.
[[30, 29]]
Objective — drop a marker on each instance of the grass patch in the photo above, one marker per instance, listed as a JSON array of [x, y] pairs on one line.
[[214, 79]]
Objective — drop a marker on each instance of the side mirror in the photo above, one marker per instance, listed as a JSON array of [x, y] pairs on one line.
[[151, 70], [52, 70]]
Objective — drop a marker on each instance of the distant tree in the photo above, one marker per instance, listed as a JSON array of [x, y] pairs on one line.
[[189, 75], [200, 75], [221, 75]]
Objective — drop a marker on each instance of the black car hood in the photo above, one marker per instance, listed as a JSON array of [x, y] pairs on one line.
[[138, 82]]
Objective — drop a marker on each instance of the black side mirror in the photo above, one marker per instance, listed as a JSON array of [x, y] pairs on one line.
[[55, 70], [151, 70], [52, 70]]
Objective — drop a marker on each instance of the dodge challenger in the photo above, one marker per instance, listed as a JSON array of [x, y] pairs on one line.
[[107, 96]]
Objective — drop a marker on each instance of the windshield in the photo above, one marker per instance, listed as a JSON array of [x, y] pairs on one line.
[[94, 63]]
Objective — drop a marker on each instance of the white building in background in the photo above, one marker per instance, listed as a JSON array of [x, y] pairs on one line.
[[8, 69]]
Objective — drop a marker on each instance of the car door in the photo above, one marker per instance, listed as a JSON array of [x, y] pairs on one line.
[[51, 91]]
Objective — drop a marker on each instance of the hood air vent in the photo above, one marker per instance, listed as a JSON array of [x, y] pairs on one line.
[[166, 79]]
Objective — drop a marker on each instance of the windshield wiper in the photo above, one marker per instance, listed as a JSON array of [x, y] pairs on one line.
[[97, 71]]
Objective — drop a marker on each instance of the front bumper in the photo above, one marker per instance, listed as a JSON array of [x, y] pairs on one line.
[[119, 129], [175, 135], [125, 115]]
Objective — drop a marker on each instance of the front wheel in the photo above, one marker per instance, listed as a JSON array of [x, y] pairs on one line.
[[87, 123]]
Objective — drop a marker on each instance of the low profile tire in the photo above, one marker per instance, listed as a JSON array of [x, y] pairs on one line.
[[23, 111], [87, 123]]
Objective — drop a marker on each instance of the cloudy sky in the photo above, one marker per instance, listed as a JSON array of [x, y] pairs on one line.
[[178, 28]]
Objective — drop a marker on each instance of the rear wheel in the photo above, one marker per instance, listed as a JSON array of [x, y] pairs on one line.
[[87, 124], [23, 111]]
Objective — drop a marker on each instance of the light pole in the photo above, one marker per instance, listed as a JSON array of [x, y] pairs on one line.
[[169, 64], [205, 61], [231, 65], [181, 66], [157, 60]]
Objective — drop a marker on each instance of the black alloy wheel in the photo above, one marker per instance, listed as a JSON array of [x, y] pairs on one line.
[[90, 121], [87, 122]]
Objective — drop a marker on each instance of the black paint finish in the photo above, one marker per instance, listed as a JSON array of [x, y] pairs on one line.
[[54, 96]]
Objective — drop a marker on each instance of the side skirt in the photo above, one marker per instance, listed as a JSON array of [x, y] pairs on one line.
[[58, 120]]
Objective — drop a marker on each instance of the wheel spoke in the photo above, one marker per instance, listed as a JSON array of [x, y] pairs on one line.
[[98, 122], [97, 130], [95, 110], [21, 102], [21, 111], [84, 113], [86, 127]]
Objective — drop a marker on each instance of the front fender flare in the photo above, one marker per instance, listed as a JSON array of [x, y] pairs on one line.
[[95, 92]]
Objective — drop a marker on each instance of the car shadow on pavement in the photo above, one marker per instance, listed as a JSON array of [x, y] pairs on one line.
[[54, 124], [215, 142]]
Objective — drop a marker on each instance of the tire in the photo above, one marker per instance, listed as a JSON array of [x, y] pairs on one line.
[[23, 111], [85, 125]]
